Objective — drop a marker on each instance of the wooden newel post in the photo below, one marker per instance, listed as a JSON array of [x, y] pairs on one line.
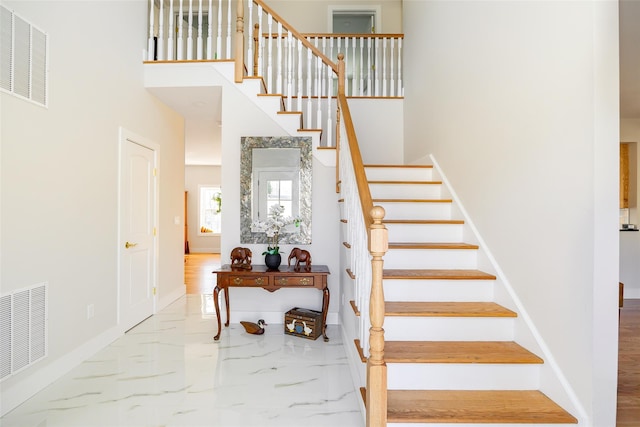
[[376, 366], [256, 46], [239, 45], [341, 73]]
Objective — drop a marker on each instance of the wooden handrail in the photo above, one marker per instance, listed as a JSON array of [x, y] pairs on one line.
[[357, 35], [297, 35], [358, 166]]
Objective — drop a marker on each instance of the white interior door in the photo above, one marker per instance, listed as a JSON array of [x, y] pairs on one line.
[[137, 231]]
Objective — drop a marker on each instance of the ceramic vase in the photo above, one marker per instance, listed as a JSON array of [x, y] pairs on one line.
[[272, 261]]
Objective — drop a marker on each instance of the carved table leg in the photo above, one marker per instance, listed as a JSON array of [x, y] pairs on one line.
[[226, 303], [216, 291], [325, 308]]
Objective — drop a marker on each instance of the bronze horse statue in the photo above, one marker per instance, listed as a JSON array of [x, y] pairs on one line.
[[300, 255]]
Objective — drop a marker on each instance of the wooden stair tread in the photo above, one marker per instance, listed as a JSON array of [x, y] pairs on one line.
[[457, 352], [406, 182], [433, 274], [474, 406], [422, 221], [400, 166], [446, 309], [412, 200], [441, 245]]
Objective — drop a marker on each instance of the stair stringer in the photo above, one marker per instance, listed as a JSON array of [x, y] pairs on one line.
[[221, 73], [253, 88], [552, 380]]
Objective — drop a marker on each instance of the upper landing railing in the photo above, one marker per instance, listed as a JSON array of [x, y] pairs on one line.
[[206, 29]]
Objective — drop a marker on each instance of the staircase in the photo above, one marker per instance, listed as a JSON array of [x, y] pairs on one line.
[[449, 349]]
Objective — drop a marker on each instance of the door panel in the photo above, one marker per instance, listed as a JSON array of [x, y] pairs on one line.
[[137, 227]]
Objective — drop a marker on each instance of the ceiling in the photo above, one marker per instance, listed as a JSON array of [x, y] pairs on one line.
[[201, 106]]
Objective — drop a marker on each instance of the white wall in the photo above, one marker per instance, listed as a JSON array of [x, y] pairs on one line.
[[518, 103], [247, 304], [59, 177], [630, 240], [312, 16], [194, 177], [379, 127]]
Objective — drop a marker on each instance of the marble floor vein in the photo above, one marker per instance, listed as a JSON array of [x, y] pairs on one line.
[[168, 371]]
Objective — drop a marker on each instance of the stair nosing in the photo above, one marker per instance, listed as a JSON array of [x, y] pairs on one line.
[[460, 352], [436, 274], [447, 309]]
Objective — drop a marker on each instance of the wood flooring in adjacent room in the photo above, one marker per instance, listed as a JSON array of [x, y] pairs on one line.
[[198, 274], [629, 365]]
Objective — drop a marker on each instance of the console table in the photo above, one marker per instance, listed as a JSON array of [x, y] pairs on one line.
[[271, 280]]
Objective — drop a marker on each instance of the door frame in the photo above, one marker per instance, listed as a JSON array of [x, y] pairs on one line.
[[376, 10], [125, 136]]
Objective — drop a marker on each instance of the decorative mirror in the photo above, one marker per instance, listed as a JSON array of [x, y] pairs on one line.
[[275, 170]]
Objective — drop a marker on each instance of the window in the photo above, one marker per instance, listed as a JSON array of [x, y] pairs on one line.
[[210, 212]]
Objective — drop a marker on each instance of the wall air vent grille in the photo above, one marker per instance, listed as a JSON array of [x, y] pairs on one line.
[[23, 329], [23, 58]]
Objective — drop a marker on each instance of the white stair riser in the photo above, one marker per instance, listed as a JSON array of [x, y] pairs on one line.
[[251, 87], [431, 258], [407, 210], [425, 232], [438, 290], [462, 376], [405, 191], [270, 104], [289, 122], [448, 328], [399, 174]]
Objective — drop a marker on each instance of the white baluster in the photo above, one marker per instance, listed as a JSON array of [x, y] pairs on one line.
[[362, 59], [354, 74], [270, 58], [170, 32], [279, 60], [210, 31], [249, 44], [319, 92], [329, 130], [347, 85], [369, 67], [190, 32], [392, 55], [199, 47], [228, 55], [180, 50], [289, 69], [161, 32], [299, 77], [384, 66], [218, 53], [309, 77], [323, 75], [400, 88], [150, 44]]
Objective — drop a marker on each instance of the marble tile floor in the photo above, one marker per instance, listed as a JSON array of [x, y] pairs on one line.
[[168, 371]]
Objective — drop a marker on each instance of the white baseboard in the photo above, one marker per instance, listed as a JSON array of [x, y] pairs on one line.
[[11, 397], [165, 300]]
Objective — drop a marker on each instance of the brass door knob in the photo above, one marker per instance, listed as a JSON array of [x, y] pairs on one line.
[[130, 245]]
